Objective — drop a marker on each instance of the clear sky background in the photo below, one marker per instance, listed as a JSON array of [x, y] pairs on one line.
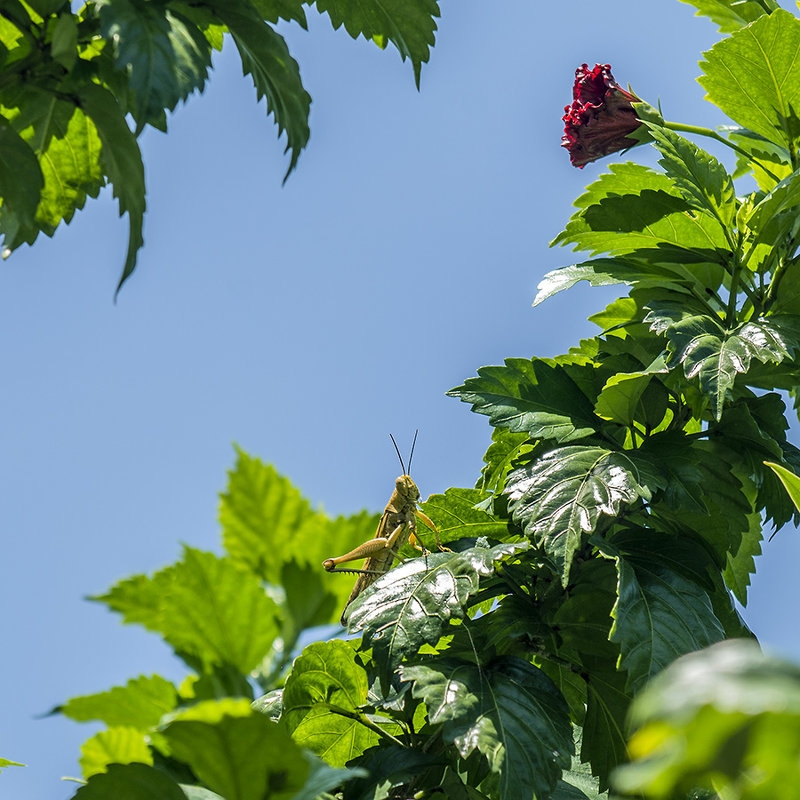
[[303, 322]]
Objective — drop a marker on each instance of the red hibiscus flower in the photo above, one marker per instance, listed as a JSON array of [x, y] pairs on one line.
[[600, 118]]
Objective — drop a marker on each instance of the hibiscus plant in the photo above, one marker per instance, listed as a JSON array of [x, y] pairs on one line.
[[572, 643]]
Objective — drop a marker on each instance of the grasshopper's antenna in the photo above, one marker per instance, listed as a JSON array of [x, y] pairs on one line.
[[412, 450], [397, 450]]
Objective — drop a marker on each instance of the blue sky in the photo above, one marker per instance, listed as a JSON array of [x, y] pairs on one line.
[[303, 322]]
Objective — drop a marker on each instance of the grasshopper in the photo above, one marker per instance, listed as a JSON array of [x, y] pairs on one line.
[[398, 525]]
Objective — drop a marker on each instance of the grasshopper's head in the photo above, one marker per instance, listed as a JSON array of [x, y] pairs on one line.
[[406, 488]]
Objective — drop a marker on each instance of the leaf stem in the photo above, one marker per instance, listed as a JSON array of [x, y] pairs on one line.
[[698, 130], [364, 720]]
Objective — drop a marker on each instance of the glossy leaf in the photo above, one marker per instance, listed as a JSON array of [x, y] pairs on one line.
[[727, 717], [534, 397], [412, 604], [559, 497], [326, 678], [754, 76], [139, 704], [716, 355], [408, 24], [508, 710], [790, 481]]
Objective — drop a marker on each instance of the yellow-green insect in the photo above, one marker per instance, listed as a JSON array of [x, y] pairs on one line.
[[398, 525]]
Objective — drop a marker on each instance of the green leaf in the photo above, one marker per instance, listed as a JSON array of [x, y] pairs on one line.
[[727, 717], [139, 704], [411, 605], [500, 458], [130, 782], [236, 751], [409, 25], [290, 10], [634, 395], [122, 163], [388, 766], [604, 732], [45, 7], [204, 606], [4, 762], [113, 746], [308, 600], [267, 524], [456, 517], [270, 704], [633, 207], [577, 782], [773, 217], [509, 711], [790, 481], [730, 15], [644, 267], [64, 45], [264, 517], [754, 77], [67, 147], [323, 778], [21, 180], [701, 179], [164, 55], [561, 495], [714, 354], [531, 396], [275, 73], [325, 678], [660, 614]]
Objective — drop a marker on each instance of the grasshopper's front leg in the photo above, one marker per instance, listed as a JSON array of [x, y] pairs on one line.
[[365, 550], [429, 522]]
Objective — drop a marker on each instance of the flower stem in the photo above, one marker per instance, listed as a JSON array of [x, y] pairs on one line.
[[712, 134]]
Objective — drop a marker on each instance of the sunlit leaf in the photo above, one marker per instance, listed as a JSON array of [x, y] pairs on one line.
[[559, 497], [325, 678], [139, 704], [412, 604], [113, 746], [753, 75]]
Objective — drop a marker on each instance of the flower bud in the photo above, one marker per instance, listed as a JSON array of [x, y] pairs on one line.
[[601, 117]]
